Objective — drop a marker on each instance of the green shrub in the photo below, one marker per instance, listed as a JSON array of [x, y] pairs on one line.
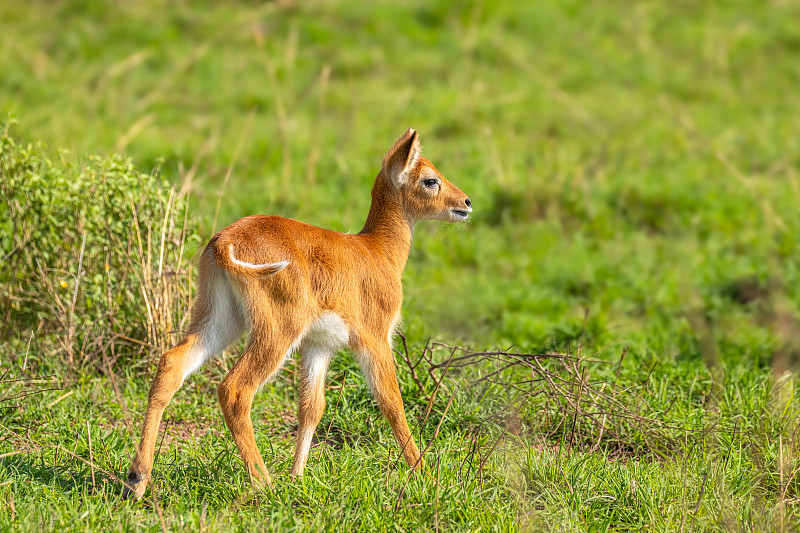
[[92, 251]]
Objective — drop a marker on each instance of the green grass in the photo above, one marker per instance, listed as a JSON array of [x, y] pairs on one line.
[[716, 457], [353, 482], [634, 172]]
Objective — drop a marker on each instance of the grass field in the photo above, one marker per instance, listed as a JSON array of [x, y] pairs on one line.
[[634, 172]]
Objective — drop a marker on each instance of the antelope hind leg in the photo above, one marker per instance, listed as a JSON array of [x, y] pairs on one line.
[[169, 378]]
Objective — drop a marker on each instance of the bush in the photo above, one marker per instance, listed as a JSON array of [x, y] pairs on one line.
[[92, 252]]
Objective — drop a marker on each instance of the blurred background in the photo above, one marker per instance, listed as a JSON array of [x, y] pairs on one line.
[[633, 165]]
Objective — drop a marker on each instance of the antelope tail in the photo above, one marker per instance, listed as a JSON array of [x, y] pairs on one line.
[[264, 270]]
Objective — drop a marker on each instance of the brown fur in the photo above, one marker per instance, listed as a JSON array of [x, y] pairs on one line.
[[355, 277]]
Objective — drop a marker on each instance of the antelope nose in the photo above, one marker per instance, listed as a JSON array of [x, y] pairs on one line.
[[469, 204]]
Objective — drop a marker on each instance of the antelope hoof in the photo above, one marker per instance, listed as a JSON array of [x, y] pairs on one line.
[[134, 486]]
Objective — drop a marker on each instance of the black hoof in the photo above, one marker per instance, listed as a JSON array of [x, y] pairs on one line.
[[134, 486]]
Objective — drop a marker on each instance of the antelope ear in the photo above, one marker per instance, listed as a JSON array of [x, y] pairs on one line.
[[402, 158]]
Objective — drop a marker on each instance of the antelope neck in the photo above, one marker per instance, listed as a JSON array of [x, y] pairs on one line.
[[387, 225]]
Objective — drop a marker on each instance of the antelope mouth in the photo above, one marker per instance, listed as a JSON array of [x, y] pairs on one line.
[[460, 214]]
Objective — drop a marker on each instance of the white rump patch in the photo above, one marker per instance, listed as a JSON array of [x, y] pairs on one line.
[[280, 265], [224, 324]]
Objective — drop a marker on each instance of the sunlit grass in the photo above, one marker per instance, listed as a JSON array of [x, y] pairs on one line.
[[634, 172]]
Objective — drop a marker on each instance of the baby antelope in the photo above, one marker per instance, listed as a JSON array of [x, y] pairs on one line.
[[297, 287]]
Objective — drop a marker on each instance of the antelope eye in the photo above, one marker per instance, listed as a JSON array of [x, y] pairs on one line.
[[430, 183]]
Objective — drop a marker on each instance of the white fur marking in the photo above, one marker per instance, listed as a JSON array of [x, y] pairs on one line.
[[280, 265], [316, 357], [226, 323], [328, 331], [396, 322]]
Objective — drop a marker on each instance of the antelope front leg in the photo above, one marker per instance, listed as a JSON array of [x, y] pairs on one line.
[[312, 401], [378, 366]]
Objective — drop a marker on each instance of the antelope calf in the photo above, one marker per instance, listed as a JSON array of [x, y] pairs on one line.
[[299, 287]]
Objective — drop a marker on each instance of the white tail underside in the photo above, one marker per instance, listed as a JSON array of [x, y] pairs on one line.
[[280, 265]]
